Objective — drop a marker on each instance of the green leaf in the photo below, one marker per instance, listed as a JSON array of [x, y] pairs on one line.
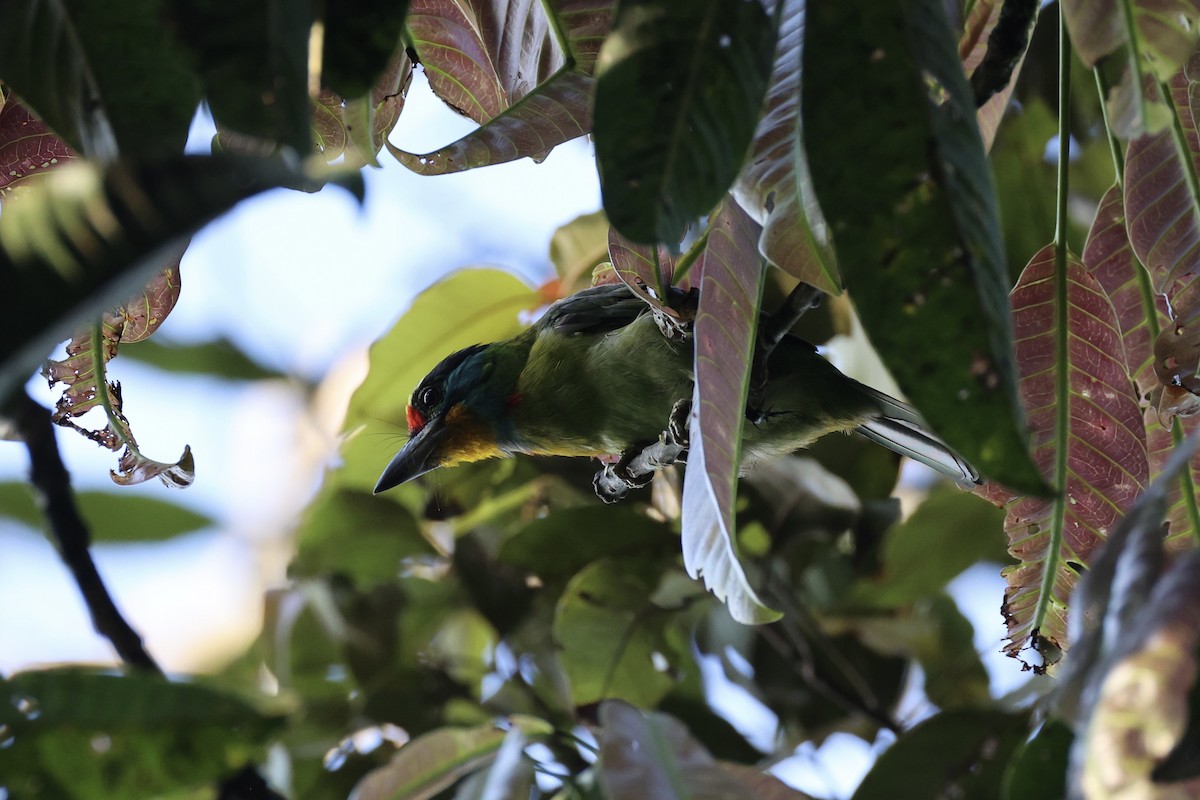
[[86, 238], [360, 38], [610, 601], [468, 307], [72, 733], [678, 92], [775, 186], [900, 172], [1092, 413], [253, 61], [1039, 766], [219, 357], [111, 517], [579, 247], [354, 533], [947, 533], [434, 761], [109, 78], [954, 754], [725, 328]]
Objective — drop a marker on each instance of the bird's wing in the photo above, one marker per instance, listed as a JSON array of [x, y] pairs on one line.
[[596, 310]]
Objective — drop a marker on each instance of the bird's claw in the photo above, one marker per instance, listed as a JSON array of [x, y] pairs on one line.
[[638, 464]]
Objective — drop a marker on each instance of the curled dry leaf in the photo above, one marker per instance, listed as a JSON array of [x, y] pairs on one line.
[[83, 374]]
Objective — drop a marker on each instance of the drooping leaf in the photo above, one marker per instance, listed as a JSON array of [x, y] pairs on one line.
[[109, 79], [28, 149], [774, 187], [82, 734], [610, 601], [1087, 406], [725, 329], [1163, 210], [678, 91], [86, 237], [253, 61], [520, 69], [899, 170], [467, 307], [111, 517], [430, 763], [953, 754]]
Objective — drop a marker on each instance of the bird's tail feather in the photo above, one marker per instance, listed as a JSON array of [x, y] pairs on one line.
[[901, 430]]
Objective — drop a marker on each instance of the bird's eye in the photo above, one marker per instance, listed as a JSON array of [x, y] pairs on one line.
[[430, 396]]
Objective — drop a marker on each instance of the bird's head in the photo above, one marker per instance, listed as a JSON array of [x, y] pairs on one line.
[[456, 414]]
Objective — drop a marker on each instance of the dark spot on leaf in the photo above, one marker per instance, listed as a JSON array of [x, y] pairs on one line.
[[1075, 565]]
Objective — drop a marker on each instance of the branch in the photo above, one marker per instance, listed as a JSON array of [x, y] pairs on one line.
[[52, 486]]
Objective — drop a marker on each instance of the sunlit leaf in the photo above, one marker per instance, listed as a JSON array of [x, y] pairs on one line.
[[774, 187], [577, 248], [111, 517], [94, 735], [900, 172], [468, 307], [1165, 29], [85, 238], [678, 91], [434, 761], [725, 329], [610, 601], [28, 149], [105, 77], [953, 754], [509, 777], [1087, 406]]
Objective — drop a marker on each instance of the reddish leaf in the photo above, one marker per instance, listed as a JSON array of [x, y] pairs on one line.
[[27, 147], [358, 128], [1164, 216], [724, 339], [774, 187], [1096, 27], [1105, 465], [639, 267], [1166, 30], [972, 47]]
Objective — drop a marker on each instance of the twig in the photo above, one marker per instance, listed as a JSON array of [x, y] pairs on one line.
[[52, 485]]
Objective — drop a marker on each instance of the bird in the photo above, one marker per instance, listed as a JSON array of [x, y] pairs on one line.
[[596, 376]]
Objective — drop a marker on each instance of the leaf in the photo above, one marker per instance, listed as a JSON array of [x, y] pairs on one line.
[[947, 533], [953, 754], [1165, 29], [28, 149], [111, 517], [1085, 405], [724, 334], [356, 129], [1163, 209], [434, 761], [577, 248], [652, 756], [355, 534], [467, 307], [775, 187], [108, 232], [1039, 765], [360, 39], [975, 44], [610, 601], [521, 70], [220, 358], [510, 777], [106, 78], [679, 85], [253, 62], [899, 169], [647, 270], [83, 734]]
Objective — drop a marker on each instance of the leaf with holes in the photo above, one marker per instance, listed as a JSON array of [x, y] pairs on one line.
[[899, 169], [679, 88], [725, 329], [28, 149], [1087, 439], [774, 187]]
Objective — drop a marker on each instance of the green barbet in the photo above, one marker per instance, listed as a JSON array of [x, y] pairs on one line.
[[595, 376]]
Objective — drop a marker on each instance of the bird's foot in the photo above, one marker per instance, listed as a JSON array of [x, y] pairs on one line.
[[677, 313], [638, 464], [678, 425]]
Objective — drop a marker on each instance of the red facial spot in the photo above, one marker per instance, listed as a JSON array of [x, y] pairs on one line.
[[416, 421], [514, 400]]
